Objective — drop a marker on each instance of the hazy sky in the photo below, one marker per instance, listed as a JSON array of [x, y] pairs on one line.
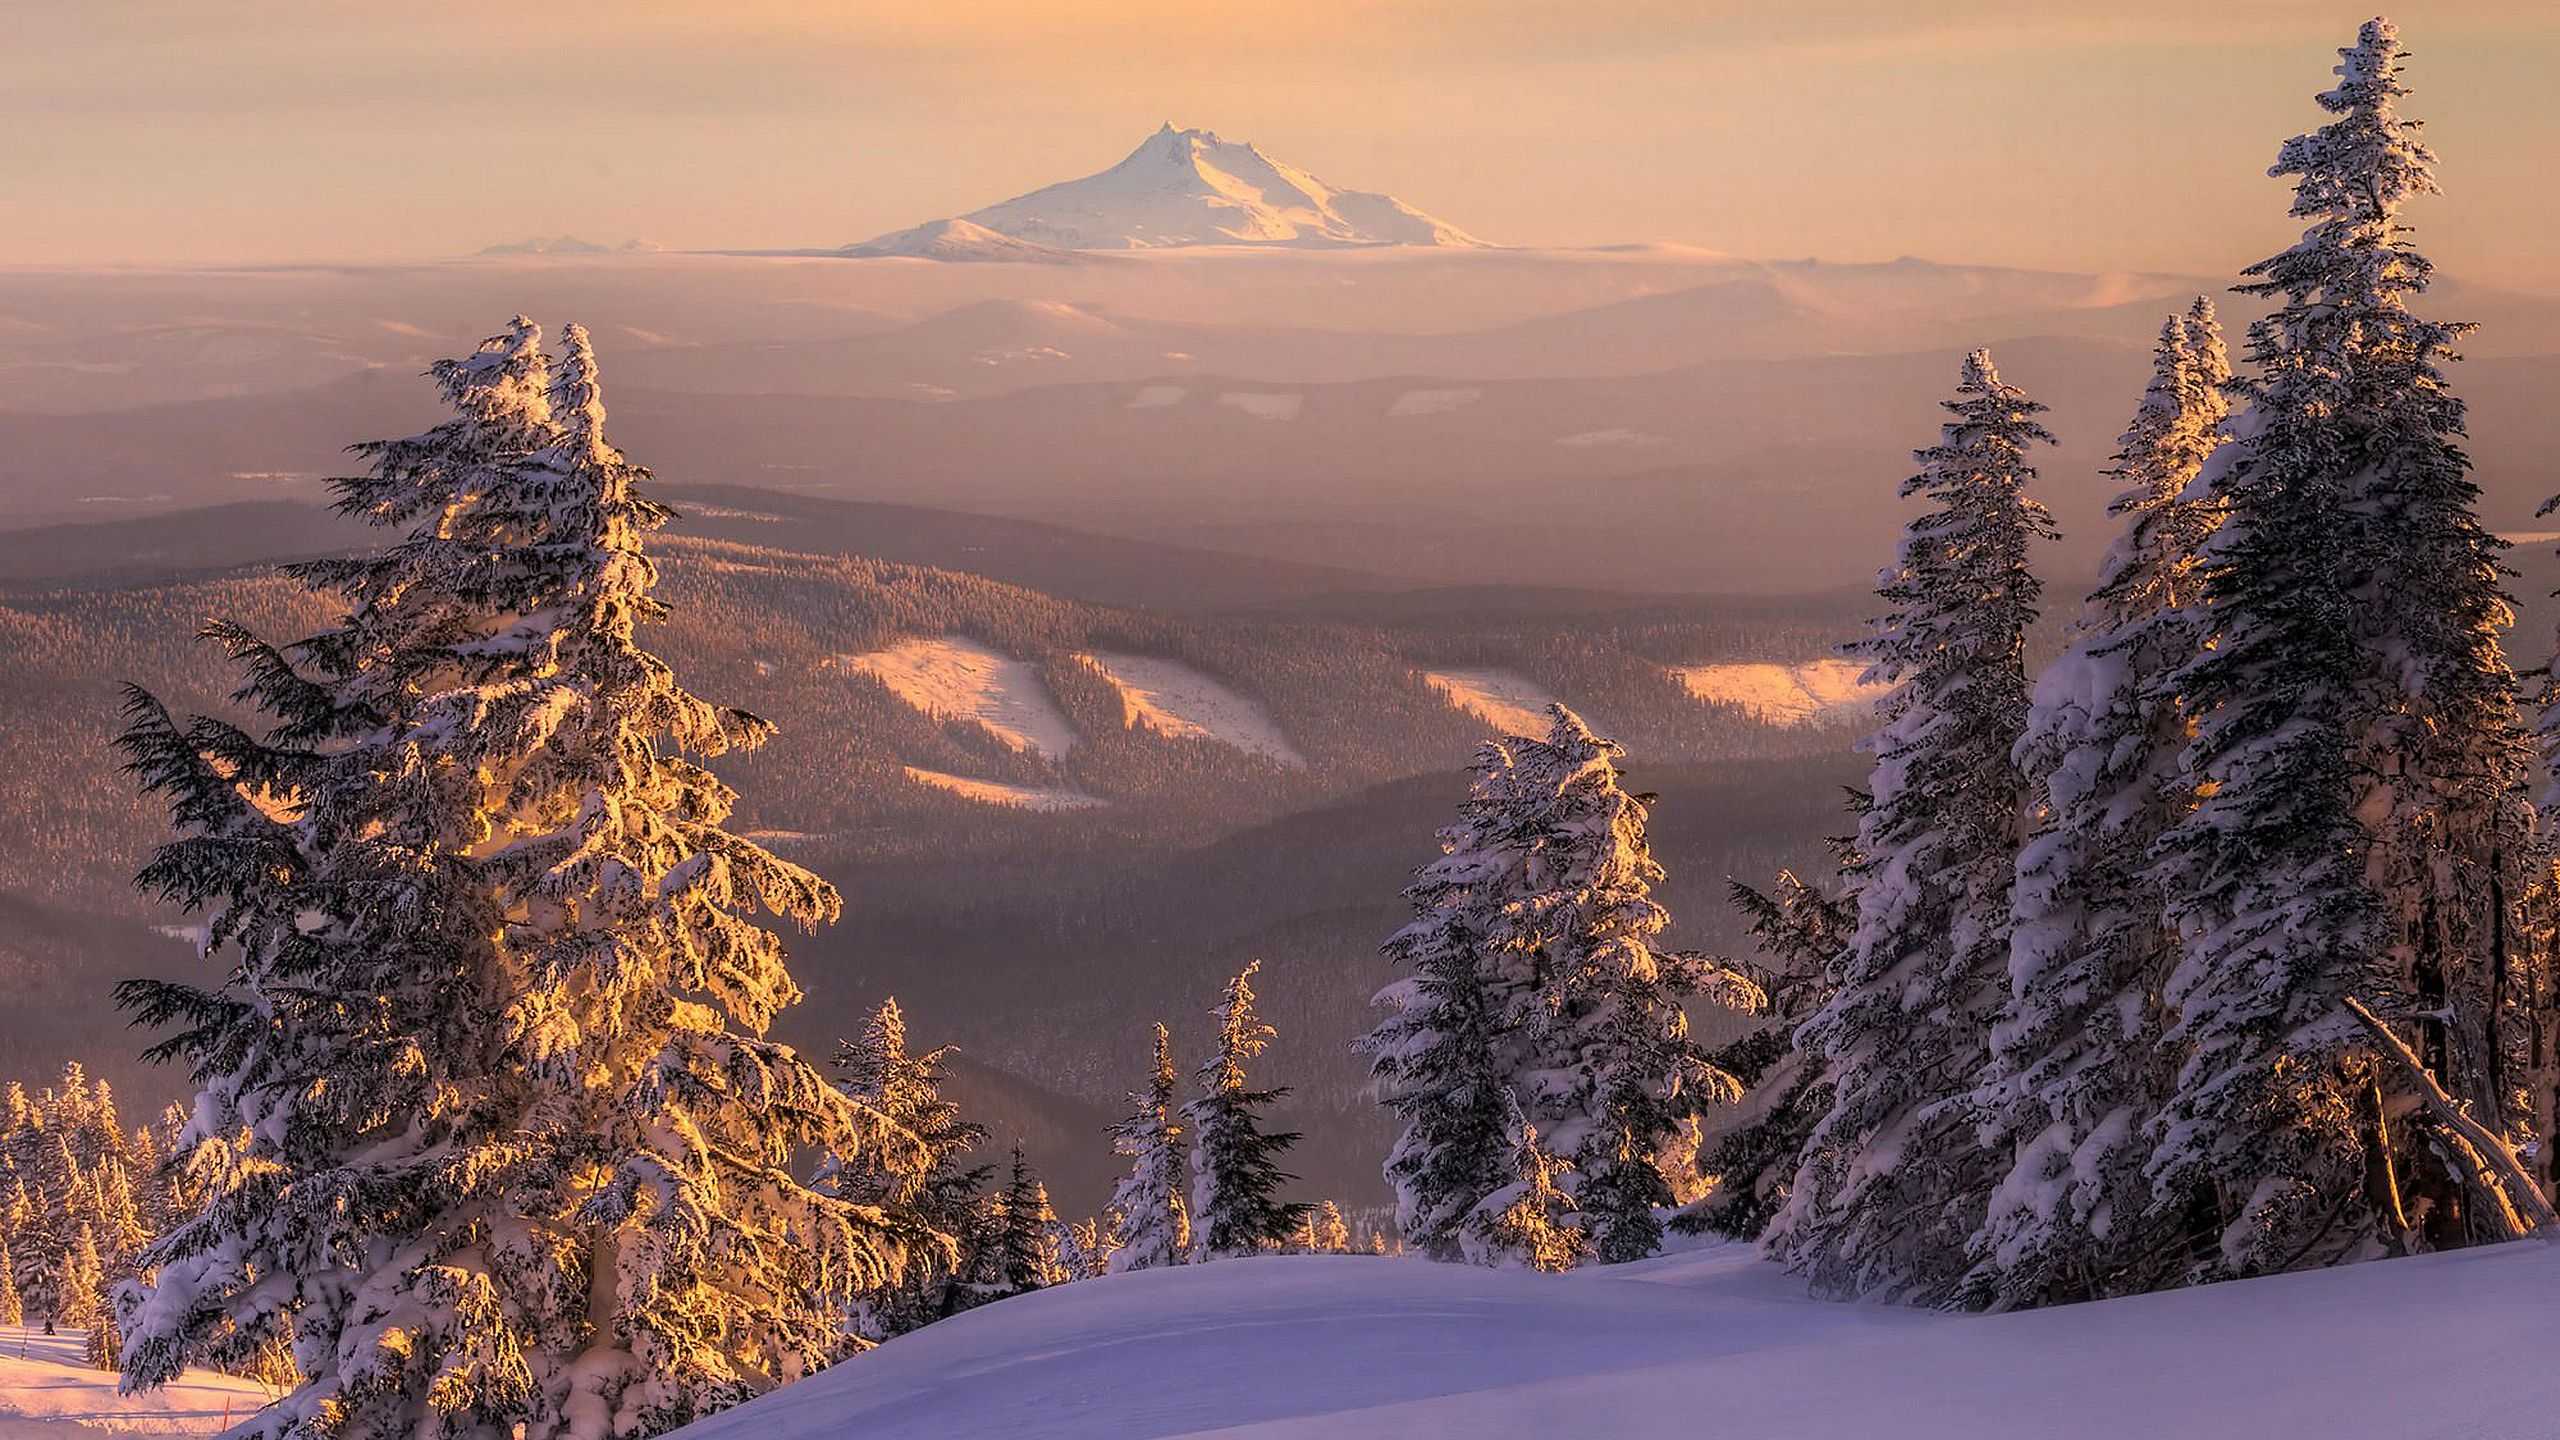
[[2129, 133]]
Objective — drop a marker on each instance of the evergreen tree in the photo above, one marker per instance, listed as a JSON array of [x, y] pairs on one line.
[[1892, 1182], [1154, 1221], [2359, 830], [1332, 1232], [35, 1261], [1438, 1058], [1803, 935], [12, 1307], [1530, 1223], [1086, 1250], [2078, 1070], [912, 1168], [1613, 1073], [1235, 1169], [82, 1274], [1026, 1245], [505, 1150]]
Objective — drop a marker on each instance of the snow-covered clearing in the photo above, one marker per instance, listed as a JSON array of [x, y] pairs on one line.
[[1157, 397], [955, 678], [1174, 699], [1433, 402], [1510, 703], [998, 792], [1711, 1343], [1814, 693], [1616, 437], [48, 1392], [1264, 404]]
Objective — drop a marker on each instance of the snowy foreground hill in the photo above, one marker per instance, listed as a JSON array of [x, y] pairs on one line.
[[47, 1392], [1710, 1343]]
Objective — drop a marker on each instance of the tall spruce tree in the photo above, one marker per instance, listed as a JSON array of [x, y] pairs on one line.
[[1236, 1177], [1612, 1072], [1026, 1242], [12, 1308], [1893, 1181], [1439, 1056], [503, 1151], [915, 1171], [2078, 1069], [2360, 828], [1154, 1219]]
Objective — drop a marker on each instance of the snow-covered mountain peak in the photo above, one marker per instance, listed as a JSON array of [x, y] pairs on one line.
[[1193, 187]]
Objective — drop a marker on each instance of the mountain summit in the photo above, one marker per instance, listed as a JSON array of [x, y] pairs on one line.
[[1189, 187]]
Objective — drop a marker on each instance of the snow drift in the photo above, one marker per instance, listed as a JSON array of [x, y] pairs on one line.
[[1715, 1342]]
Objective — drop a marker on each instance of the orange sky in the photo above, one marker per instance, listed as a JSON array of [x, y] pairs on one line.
[[2046, 132]]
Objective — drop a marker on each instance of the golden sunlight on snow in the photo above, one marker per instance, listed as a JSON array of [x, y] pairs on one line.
[[1817, 692], [1508, 702], [954, 678], [1175, 700]]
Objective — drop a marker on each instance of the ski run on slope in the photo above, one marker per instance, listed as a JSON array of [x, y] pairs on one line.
[[949, 677], [1818, 692], [1714, 1342], [1511, 704], [1175, 700]]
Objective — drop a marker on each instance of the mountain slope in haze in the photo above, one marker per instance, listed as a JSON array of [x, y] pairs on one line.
[[961, 241], [1189, 187]]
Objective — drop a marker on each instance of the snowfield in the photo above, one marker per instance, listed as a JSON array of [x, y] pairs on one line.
[[1511, 704], [48, 1392], [1433, 402], [1175, 700], [1818, 692], [1264, 404], [1713, 1343], [998, 792], [952, 677]]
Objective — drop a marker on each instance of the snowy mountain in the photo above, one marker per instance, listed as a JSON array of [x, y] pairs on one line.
[[1189, 187], [1710, 1343], [959, 240]]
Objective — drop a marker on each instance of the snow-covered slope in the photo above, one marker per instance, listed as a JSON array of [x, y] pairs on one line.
[[1173, 699], [47, 1392], [1188, 187], [1817, 692], [1511, 704], [953, 678], [959, 240], [1714, 1343]]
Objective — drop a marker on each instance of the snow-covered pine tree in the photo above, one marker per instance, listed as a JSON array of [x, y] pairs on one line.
[[2356, 756], [2078, 1071], [1025, 1245], [1155, 1219], [1531, 1222], [1439, 1057], [35, 1263], [1235, 1164], [1085, 1250], [1332, 1231], [1612, 1072], [1803, 936], [82, 1272], [12, 1308], [1893, 1181], [914, 1171], [506, 1154]]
